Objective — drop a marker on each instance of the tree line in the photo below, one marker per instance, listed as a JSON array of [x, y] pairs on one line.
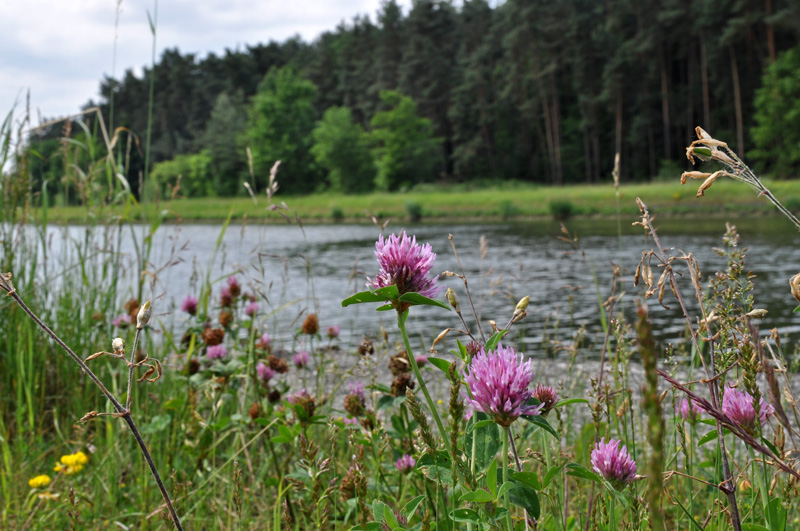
[[528, 90]]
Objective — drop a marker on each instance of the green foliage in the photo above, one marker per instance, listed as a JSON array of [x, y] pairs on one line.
[[337, 214], [222, 140], [508, 209], [341, 147], [414, 211], [777, 102], [192, 172], [561, 209], [403, 144], [281, 120]]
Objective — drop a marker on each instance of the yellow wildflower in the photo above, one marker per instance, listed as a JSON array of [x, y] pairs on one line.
[[47, 496], [39, 481], [74, 469]]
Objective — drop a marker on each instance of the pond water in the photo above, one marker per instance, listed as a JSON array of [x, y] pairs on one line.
[[296, 271]]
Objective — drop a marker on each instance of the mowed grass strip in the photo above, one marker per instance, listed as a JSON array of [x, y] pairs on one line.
[[457, 203]]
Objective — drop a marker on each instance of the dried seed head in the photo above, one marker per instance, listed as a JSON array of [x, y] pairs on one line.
[[758, 313], [707, 184], [702, 134], [693, 175], [794, 284], [453, 300], [144, 315], [118, 345]]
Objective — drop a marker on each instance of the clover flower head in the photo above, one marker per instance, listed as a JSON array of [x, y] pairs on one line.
[[350, 421], [264, 341], [738, 405], [333, 331], [122, 321], [613, 463], [300, 359], [406, 464], [688, 410], [421, 359], [189, 305], [251, 309], [264, 372], [500, 381], [356, 388], [40, 481], [547, 397], [216, 352], [405, 264]]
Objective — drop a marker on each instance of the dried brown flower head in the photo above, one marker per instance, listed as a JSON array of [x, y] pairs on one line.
[[399, 363], [400, 384], [274, 396], [311, 324], [366, 347], [277, 364], [225, 318], [255, 411], [354, 405], [213, 336]]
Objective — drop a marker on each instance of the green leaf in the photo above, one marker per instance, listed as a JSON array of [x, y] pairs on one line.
[[491, 477], [530, 479], [442, 365], [465, 515], [548, 477], [753, 527], [568, 401], [479, 495], [710, 436], [384, 308], [462, 349], [796, 310], [379, 509], [417, 299], [580, 471], [771, 446], [388, 293], [526, 497], [479, 424], [487, 441], [542, 423], [495, 339], [411, 507]]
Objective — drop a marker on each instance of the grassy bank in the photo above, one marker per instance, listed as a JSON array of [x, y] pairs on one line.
[[461, 203]]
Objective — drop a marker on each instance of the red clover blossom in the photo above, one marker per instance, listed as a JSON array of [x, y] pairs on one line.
[[499, 381], [738, 405], [405, 264], [189, 305], [613, 463]]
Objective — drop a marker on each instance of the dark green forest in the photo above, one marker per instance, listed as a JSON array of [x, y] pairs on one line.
[[542, 92]]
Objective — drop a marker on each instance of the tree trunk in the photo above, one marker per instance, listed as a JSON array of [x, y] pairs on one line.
[[618, 142], [770, 32], [587, 155], [704, 74], [665, 105], [737, 97], [548, 133], [556, 109]]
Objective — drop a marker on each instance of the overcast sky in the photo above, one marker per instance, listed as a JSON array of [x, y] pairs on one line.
[[60, 49]]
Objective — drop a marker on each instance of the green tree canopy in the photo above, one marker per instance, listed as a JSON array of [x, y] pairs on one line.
[[222, 140], [776, 134], [281, 120], [403, 144], [342, 148]]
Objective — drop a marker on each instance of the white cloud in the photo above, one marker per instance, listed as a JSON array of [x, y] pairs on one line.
[[61, 50]]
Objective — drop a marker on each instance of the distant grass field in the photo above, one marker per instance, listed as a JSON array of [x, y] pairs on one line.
[[462, 203]]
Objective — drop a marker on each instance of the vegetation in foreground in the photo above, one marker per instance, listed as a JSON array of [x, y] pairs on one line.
[[254, 435]]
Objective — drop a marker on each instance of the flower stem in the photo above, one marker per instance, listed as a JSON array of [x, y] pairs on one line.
[[505, 478], [401, 324]]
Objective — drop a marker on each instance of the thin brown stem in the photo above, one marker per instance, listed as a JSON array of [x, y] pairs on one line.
[[466, 288], [122, 410]]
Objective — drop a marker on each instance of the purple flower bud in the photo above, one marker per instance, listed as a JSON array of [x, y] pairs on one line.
[[687, 411], [421, 359], [216, 352], [189, 305], [264, 341], [406, 464], [333, 331], [615, 465], [738, 405], [499, 382], [264, 372], [251, 309], [350, 421], [356, 388], [121, 321], [231, 281], [547, 396], [405, 264], [300, 359]]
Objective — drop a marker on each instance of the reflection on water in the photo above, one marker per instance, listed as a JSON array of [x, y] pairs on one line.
[[296, 271]]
